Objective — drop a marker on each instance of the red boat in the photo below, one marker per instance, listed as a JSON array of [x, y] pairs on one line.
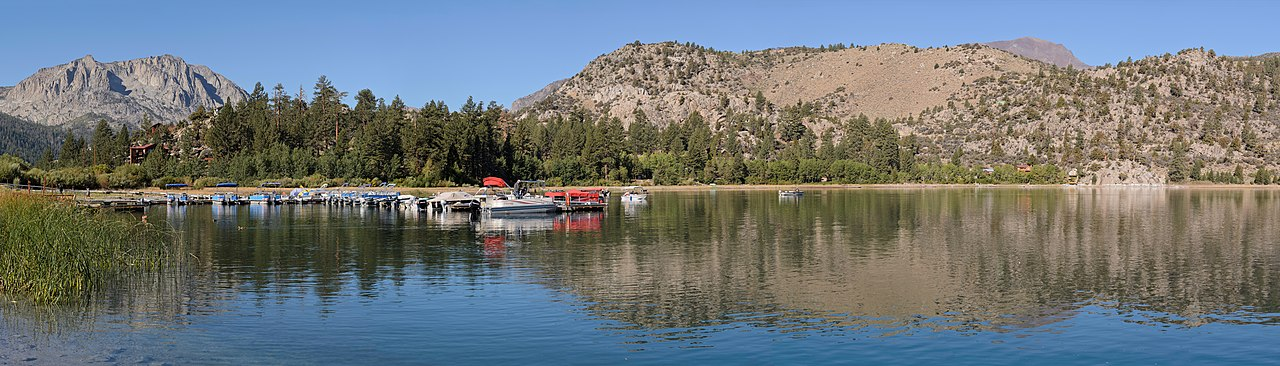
[[589, 199]]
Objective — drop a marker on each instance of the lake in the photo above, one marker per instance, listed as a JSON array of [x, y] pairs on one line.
[[880, 276]]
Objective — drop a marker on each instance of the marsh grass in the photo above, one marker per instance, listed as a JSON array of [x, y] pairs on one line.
[[52, 251]]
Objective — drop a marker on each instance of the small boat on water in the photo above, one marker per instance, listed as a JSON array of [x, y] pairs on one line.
[[378, 198], [450, 201], [407, 201], [589, 199], [177, 199], [635, 194], [795, 193], [525, 197], [304, 196], [224, 198], [265, 198]]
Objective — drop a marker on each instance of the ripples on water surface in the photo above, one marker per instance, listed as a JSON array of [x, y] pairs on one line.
[[972, 276]]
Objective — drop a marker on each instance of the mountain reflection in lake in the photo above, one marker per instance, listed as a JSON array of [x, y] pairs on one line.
[[969, 275]]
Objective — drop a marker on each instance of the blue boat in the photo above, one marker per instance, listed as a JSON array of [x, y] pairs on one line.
[[225, 199], [226, 185], [378, 198], [266, 198], [177, 199]]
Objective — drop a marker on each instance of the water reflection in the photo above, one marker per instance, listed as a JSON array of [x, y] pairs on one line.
[[685, 266], [983, 259]]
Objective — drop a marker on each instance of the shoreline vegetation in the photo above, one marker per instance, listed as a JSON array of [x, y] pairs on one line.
[[273, 136], [53, 251]]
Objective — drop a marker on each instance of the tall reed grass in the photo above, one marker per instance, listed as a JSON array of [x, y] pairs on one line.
[[51, 250]]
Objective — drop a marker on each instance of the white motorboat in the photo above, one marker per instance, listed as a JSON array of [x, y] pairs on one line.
[[635, 194], [523, 198], [791, 193]]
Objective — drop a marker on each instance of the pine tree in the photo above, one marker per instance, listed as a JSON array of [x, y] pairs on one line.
[[885, 154], [641, 134], [46, 159], [120, 149], [698, 149], [1178, 163], [226, 133], [103, 144], [72, 151]]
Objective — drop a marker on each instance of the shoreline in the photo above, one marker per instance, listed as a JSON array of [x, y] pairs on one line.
[[426, 191]]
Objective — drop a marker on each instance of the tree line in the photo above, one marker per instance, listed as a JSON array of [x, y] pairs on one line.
[[319, 140]]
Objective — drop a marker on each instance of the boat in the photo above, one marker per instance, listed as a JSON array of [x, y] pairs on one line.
[[265, 198], [635, 194], [490, 187], [304, 196], [177, 199], [589, 199], [795, 192], [523, 198], [377, 198], [450, 201], [224, 198], [791, 193], [406, 201]]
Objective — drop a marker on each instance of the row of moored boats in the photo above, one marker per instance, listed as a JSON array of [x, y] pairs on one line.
[[494, 196], [526, 196]]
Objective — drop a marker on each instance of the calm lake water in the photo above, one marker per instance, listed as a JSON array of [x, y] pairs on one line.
[[915, 276]]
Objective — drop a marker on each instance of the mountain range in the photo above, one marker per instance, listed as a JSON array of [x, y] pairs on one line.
[[1040, 50], [73, 95], [1020, 101], [1131, 122]]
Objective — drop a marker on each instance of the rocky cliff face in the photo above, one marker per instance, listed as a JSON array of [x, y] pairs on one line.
[[166, 88], [1041, 50], [537, 96]]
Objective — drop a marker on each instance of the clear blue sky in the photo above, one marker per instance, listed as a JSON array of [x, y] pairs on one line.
[[501, 50]]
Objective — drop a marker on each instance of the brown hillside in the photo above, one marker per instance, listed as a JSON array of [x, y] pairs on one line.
[[971, 104], [668, 81]]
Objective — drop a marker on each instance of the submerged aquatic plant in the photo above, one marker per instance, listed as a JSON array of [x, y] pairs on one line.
[[51, 250]]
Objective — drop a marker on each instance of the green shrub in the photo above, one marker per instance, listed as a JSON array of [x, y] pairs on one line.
[[127, 176], [71, 178]]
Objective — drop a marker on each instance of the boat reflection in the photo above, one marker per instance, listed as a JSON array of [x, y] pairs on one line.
[[495, 246], [450, 219], [579, 222], [517, 224]]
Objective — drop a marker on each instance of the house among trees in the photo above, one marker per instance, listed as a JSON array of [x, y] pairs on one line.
[[1024, 168], [138, 153]]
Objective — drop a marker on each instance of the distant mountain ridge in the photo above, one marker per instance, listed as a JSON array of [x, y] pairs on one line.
[[25, 139], [166, 88], [537, 96], [1040, 50], [1134, 122], [1028, 47], [668, 81]]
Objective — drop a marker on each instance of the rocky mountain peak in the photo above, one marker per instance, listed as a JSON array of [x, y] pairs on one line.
[[165, 88], [1041, 50]]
